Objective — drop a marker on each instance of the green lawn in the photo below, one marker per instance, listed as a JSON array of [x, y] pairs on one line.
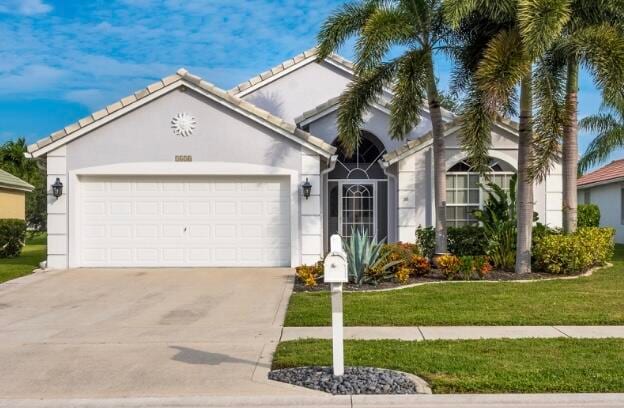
[[480, 366], [594, 300], [32, 254]]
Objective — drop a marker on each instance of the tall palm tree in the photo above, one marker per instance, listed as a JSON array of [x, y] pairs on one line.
[[591, 38], [609, 126], [526, 29], [418, 29]]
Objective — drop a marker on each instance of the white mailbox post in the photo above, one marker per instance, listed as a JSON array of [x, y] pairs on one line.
[[336, 273]]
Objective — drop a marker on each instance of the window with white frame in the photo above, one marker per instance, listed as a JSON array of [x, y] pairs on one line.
[[464, 193]]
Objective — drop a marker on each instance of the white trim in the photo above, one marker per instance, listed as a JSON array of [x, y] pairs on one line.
[[192, 168], [496, 154]]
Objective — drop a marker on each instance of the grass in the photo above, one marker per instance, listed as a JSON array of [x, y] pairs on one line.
[[33, 253], [480, 366], [593, 300]]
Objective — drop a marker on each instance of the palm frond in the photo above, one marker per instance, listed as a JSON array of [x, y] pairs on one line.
[[386, 27], [410, 90], [357, 98], [549, 101], [347, 21], [541, 22], [601, 147], [600, 48], [476, 127], [502, 67]]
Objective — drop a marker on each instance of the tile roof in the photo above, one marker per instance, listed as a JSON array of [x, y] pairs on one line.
[[9, 181], [611, 172], [297, 59], [95, 119]]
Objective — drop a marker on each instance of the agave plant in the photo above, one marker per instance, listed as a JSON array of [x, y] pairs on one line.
[[363, 251]]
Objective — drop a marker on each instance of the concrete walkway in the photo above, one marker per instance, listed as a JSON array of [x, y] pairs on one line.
[[342, 401], [456, 332]]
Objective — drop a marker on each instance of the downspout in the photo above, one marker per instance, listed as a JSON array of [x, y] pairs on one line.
[[331, 166], [385, 166]]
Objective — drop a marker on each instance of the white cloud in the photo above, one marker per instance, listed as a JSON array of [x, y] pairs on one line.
[[25, 7], [31, 78]]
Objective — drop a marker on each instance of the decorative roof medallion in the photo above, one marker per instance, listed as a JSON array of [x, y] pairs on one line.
[[183, 124]]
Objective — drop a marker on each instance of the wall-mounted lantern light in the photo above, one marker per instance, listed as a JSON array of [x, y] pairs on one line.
[[307, 188], [57, 188]]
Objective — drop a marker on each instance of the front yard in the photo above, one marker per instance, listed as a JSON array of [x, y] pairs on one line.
[[594, 300], [480, 366], [32, 254]]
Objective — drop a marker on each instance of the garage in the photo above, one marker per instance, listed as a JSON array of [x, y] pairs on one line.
[[144, 221]]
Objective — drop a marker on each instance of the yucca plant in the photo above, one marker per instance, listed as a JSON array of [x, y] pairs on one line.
[[363, 251]]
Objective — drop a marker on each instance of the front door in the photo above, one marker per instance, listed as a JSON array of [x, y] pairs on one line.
[[356, 208]]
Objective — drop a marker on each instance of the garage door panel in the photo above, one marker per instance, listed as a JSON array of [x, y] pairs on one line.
[[190, 221]]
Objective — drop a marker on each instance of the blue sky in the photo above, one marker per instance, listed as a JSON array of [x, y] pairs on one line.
[[62, 59]]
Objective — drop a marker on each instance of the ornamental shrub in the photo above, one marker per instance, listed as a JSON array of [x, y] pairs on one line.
[[469, 240], [449, 266], [425, 239], [310, 275], [588, 215], [12, 237], [574, 253]]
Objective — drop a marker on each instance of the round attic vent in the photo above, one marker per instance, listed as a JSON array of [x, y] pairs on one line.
[[183, 124]]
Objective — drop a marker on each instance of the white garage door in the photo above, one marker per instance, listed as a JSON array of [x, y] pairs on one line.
[[184, 221]]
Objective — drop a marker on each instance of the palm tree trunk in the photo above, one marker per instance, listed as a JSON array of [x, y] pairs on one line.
[[525, 185], [570, 149], [439, 160]]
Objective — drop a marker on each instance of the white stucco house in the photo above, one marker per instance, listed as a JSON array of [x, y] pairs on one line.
[[605, 188], [182, 173]]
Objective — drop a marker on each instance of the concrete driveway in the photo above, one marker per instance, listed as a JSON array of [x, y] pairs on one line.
[[141, 332]]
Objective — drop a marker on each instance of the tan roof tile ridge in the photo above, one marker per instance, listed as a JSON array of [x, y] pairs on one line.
[[286, 65], [206, 86]]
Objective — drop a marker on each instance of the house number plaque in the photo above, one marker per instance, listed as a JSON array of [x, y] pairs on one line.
[[184, 158]]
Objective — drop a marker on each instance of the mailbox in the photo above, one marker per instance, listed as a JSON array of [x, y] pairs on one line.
[[335, 265]]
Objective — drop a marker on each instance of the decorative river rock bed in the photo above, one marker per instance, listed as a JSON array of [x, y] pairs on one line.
[[356, 380]]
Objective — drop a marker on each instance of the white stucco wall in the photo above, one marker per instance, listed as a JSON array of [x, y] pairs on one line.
[[290, 95], [416, 196], [144, 136], [608, 198]]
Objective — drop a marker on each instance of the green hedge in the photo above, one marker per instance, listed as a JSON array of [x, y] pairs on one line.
[[12, 237], [469, 240], [588, 215], [574, 253]]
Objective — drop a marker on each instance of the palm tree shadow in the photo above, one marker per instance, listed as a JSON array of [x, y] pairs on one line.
[[193, 356]]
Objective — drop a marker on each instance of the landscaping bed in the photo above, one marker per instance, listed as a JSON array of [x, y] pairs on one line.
[[356, 380], [432, 276], [479, 366], [590, 300]]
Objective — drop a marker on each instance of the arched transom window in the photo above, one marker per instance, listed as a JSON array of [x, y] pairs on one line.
[[463, 191]]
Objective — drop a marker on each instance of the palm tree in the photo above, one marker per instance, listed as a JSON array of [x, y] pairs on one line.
[[609, 126], [523, 31], [590, 38], [417, 27]]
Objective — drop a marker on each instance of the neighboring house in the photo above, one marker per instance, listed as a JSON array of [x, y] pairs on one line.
[[605, 188], [185, 174], [13, 196]]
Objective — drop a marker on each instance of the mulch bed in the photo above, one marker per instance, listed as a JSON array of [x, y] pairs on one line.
[[433, 276]]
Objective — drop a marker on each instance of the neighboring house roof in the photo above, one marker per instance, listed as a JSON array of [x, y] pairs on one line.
[[157, 89], [610, 173], [291, 64], [10, 182]]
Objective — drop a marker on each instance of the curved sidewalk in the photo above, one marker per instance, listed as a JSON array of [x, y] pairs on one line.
[[418, 333]]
